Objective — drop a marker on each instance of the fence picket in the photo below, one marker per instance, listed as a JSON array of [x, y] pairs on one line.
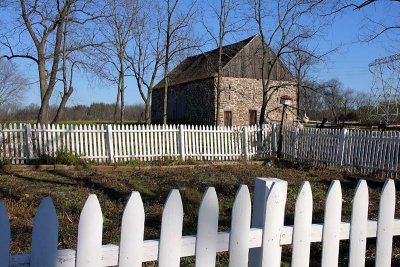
[[5, 235], [302, 227], [271, 193], [274, 214], [12, 149], [207, 229], [358, 227], [88, 252], [171, 231], [45, 235], [361, 151], [147, 129], [384, 235], [331, 229], [73, 134], [123, 142], [240, 228], [132, 232]]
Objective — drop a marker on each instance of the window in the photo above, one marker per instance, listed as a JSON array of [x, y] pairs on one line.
[[252, 117], [227, 118]]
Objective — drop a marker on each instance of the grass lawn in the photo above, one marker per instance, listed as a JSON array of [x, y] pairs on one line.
[[22, 191]]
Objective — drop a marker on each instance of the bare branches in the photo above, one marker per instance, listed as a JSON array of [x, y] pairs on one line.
[[281, 25], [40, 35], [177, 32], [375, 26], [12, 83]]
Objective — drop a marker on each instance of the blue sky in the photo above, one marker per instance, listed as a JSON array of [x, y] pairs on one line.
[[349, 64]]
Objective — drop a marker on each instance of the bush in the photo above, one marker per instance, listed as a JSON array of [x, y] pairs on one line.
[[62, 157]]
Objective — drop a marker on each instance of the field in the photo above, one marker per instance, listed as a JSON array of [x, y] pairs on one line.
[[21, 190]]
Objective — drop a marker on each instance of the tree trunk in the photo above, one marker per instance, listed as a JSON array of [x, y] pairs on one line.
[[166, 65], [43, 116], [117, 105], [165, 108], [122, 87], [298, 99], [147, 114], [61, 107], [219, 78]]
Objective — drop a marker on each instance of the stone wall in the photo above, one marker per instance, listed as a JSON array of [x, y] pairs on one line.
[[240, 95], [189, 103]]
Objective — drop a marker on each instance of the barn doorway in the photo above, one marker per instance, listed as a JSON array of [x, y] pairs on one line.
[[228, 118], [252, 117]]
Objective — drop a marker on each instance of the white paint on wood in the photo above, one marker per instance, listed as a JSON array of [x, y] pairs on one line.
[[331, 229], [302, 227], [171, 231], [132, 232], [90, 230], [384, 235], [273, 222], [359, 223], [240, 228], [207, 229]]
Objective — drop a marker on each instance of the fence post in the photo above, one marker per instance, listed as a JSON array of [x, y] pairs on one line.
[[182, 141], [295, 142], [273, 140], [28, 141], [342, 142], [245, 146], [262, 187], [110, 145]]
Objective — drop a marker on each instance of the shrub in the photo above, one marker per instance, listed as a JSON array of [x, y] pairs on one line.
[[62, 157]]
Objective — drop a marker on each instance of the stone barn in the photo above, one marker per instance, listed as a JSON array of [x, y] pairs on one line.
[[192, 97]]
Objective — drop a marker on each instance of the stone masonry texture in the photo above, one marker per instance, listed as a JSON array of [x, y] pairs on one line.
[[195, 102]]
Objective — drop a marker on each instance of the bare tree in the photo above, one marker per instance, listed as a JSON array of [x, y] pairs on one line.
[[116, 30], [147, 53], [67, 70], [336, 100], [177, 29], [38, 36], [280, 25], [12, 84], [302, 63], [227, 24]]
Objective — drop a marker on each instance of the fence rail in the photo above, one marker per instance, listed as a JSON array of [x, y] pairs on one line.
[[353, 150], [255, 238], [21, 143]]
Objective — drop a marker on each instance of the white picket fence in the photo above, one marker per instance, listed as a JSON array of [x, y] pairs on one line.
[[24, 142], [353, 150], [255, 238]]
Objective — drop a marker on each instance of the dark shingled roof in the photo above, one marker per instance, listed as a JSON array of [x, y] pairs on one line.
[[203, 65]]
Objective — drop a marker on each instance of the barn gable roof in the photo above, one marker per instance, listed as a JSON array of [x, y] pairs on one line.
[[205, 65]]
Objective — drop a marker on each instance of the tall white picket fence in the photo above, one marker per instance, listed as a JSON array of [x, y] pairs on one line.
[[23, 142], [256, 234], [353, 150]]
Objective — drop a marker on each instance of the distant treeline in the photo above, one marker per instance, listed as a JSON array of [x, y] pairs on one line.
[[96, 112]]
